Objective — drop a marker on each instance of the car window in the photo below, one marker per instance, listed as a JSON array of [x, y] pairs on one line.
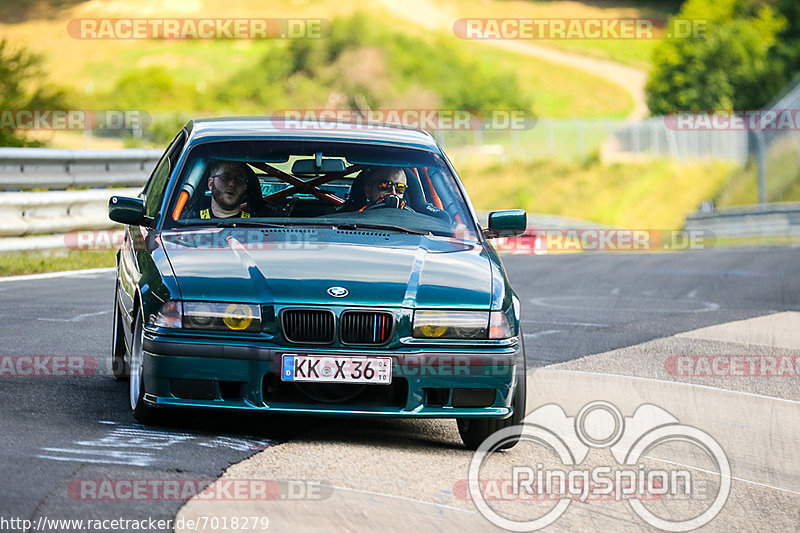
[[154, 190], [315, 182]]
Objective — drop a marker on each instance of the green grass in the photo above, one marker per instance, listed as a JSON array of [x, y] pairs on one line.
[[782, 179], [14, 264], [776, 240], [563, 139], [633, 52], [189, 62], [233, 77], [559, 92], [413, 69], [655, 194]]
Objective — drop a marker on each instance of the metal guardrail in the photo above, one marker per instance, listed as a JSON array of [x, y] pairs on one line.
[[50, 213], [30, 213], [98, 172], [765, 220], [653, 137], [46, 168]]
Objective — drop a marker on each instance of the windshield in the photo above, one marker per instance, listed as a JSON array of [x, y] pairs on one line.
[[319, 183]]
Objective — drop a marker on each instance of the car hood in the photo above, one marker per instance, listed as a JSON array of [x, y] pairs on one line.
[[299, 266]]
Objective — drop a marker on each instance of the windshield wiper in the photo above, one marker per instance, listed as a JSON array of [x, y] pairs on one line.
[[249, 223], [244, 223], [390, 227]]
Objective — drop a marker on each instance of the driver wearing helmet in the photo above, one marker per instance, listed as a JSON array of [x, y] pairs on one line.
[[385, 187]]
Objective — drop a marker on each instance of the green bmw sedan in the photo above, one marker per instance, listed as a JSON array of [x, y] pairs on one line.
[[333, 269]]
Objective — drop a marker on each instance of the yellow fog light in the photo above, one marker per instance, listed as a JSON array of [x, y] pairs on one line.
[[222, 316], [238, 317]]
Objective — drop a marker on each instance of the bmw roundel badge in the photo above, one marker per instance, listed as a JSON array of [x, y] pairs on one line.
[[338, 292]]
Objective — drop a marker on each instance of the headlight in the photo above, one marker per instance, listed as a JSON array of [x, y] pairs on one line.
[[222, 316], [450, 324]]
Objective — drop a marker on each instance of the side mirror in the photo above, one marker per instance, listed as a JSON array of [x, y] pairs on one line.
[[506, 223], [127, 211]]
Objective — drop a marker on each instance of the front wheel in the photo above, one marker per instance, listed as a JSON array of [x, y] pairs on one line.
[[141, 411], [474, 431]]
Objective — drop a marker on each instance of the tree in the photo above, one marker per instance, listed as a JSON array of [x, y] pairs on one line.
[[787, 48], [731, 66], [22, 86]]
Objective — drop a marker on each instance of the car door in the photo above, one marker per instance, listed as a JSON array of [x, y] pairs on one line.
[[134, 256]]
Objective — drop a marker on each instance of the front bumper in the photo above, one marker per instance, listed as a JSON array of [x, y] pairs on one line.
[[426, 383]]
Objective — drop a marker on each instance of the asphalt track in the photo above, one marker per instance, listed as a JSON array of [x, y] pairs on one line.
[[597, 327]]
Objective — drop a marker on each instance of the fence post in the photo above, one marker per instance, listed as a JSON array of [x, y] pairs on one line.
[[515, 145], [761, 154], [636, 130], [655, 145], [477, 137]]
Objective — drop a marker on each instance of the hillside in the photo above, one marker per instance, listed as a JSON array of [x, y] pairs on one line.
[[372, 56], [188, 75]]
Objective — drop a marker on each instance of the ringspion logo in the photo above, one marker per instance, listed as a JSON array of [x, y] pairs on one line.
[[629, 439]]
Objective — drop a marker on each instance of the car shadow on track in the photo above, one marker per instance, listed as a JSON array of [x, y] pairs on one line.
[[386, 433], [381, 432]]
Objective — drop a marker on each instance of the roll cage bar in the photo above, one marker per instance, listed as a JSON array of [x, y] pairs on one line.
[[307, 186]]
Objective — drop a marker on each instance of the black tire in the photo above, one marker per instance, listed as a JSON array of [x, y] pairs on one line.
[[474, 431], [142, 412], [119, 366]]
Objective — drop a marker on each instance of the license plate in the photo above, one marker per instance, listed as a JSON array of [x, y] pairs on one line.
[[377, 370]]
